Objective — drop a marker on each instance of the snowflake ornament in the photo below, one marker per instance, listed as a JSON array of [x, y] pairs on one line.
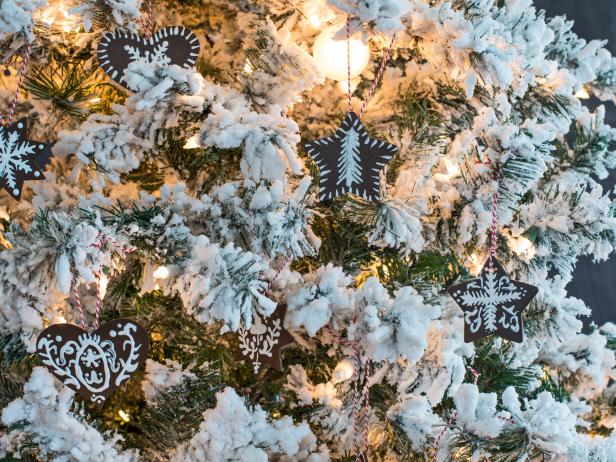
[[493, 304], [21, 159], [263, 341], [349, 161]]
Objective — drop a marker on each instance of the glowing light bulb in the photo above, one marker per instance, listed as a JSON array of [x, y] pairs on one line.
[[343, 85], [343, 371], [248, 69], [162, 272], [95, 100], [582, 94], [58, 16], [476, 262], [523, 246], [331, 54], [314, 21], [103, 281], [124, 416], [453, 170], [193, 142]]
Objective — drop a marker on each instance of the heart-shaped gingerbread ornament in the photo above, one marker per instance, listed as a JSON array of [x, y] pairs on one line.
[[94, 364], [171, 45]]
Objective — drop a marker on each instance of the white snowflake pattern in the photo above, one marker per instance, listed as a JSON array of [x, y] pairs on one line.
[[486, 295], [14, 156], [157, 55]]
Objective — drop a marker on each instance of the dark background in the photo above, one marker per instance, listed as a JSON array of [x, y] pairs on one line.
[[595, 283]]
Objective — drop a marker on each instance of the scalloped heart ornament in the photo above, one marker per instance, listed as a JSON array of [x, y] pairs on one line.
[[170, 45], [94, 364]]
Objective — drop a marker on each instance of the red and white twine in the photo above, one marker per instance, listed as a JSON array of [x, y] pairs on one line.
[[356, 378], [20, 81], [149, 19], [494, 228], [348, 37], [377, 78], [452, 419], [100, 241], [360, 446], [379, 74], [82, 317], [368, 375]]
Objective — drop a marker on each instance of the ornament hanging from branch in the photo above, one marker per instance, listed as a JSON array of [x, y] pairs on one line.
[[94, 364], [350, 161], [170, 45], [263, 341], [493, 303], [21, 159]]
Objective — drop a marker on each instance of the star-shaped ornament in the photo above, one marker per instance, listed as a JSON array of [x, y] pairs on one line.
[[21, 159], [493, 304], [349, 161], [262, 342]]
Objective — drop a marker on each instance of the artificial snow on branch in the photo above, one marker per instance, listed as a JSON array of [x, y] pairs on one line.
[[43, 415], [231, 431]]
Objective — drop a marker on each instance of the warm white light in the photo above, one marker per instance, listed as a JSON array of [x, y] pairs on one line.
[[523, 246], [314, 21], [331, 54], [162, 272], [453, 170], [124, 416], [95, 100], [476, 262], [582, 94], [103, 281], [343, 85], [343, 371], [248, 69], [57, 16], [193, 142]]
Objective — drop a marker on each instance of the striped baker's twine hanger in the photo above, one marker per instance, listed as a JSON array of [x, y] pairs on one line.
[[22, 73], [100, 241], [148, 23], [378, 76], [361, 447]]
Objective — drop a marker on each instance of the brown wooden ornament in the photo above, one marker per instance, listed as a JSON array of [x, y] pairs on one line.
[[493, 304], [170, 45], [21, 159], [263, 341], [349, 161], [94, 364]]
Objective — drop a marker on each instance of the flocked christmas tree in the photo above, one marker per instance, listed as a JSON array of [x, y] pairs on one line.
[[184, 196]]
